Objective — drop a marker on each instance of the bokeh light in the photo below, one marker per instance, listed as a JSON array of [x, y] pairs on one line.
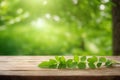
[[55, 27]]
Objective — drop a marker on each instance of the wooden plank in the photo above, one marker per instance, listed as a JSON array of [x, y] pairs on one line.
[[57, 78], [27, 66]]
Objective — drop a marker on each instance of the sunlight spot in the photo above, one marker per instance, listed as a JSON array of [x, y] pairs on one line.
[[103, 14], [19, 11], [98, 20], [75, 1], [3, 3], [48, 16], [56, 18], [105, 1], [67, 34], [93, 48], [45, 2], [25, 15], [11, 21], [102, 7], [17, 19], [39, 23]]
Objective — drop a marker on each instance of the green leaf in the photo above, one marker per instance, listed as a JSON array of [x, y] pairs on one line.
[[62, 62], [52, 63], [76, 58], [71, 64], [69, 61], [83, 58], [108, 63], [99, 64], [62, 59], [61, 66], [53, 66], [74, 65], [82, 65], [57, 58], [91, 65], [102, 59], [92, 59], [44, 64]]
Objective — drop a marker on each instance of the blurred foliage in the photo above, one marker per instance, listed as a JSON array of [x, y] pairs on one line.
[[55, 27]]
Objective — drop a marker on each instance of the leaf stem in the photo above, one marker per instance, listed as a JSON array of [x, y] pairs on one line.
[[116, 64]]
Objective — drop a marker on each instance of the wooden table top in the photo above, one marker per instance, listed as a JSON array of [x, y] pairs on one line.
[[28, 66]]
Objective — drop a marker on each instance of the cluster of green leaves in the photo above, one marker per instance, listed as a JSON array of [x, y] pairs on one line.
[[82, 62]]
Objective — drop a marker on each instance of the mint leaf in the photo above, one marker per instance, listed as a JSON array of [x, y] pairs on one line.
[[69, 63], [62, 59], [102, 59], [52, 63], [62, 62], [82, 65], [57, 58], [44, 64], [74, 65], [108, 63], [91, 65], [53, 66], [83, 58], [99, 64], [76, 58], [92, 59], [76, 62], [61, 66]]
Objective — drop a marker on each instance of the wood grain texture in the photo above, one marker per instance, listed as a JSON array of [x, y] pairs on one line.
[[27, 66]]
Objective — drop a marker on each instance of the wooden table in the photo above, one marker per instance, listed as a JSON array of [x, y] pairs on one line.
[[25, 68]]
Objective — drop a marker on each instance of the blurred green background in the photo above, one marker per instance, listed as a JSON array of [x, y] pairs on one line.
[[55, 27]]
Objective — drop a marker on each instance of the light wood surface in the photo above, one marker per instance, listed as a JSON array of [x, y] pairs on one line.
[[28, 66]]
